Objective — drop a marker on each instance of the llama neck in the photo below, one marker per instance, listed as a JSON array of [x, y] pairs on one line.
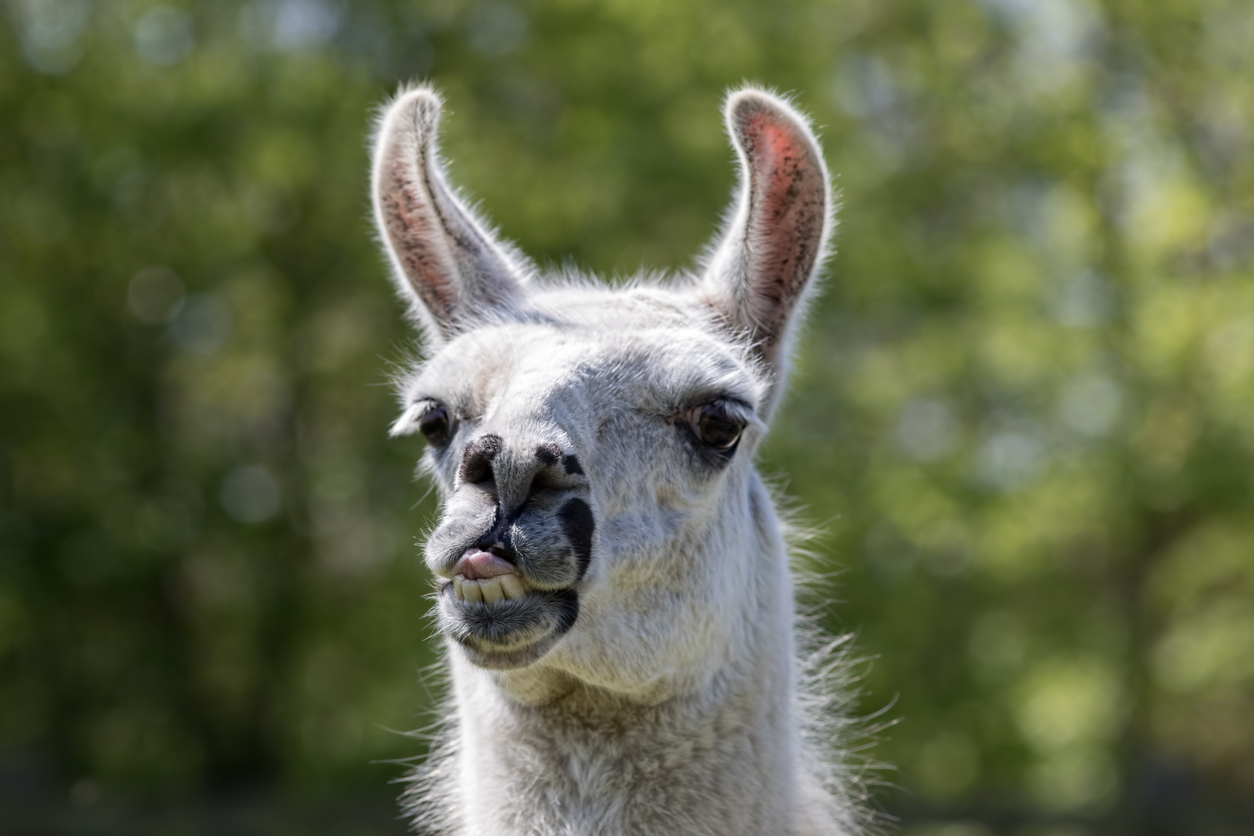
[[721, 758]]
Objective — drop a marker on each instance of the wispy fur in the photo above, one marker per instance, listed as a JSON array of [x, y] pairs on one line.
[[674, 689]]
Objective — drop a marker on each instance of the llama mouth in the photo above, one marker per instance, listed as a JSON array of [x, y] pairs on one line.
[[509, 632], [499, 616], [487, 577]]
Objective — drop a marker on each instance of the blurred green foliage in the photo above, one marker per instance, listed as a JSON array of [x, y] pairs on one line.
[[1022, 421]]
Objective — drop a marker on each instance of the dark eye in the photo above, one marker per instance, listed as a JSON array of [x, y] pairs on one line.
[[436, 425], [716, 427]]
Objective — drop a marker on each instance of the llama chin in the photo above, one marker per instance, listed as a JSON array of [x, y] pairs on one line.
[[613, 582]]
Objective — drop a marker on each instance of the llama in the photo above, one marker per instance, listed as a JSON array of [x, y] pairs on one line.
[[612, 578]]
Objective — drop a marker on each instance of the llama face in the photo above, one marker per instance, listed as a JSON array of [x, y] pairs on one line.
[[593, 447], [575, 457]]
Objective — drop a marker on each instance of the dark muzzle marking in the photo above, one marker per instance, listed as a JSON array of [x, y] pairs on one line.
[[578, 525], [498, 540]]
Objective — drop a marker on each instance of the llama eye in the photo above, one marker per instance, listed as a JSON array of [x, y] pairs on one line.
[[436, 425], [715, 427]]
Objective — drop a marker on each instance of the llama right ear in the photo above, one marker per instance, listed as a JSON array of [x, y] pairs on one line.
[[777, 231], [443, 258]]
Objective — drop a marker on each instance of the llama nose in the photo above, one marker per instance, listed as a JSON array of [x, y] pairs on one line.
[[513, 473]]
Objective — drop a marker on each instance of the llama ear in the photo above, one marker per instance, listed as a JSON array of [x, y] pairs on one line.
[[776, 233], [444, 259]]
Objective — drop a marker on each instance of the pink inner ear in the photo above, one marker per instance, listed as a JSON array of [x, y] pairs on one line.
[[787, 206], [413, 235], [778, 136]]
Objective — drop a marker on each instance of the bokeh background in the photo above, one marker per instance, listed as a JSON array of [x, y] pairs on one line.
[[1022, 424]]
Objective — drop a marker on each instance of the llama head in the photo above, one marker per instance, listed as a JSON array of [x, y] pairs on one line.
[[593, 446]]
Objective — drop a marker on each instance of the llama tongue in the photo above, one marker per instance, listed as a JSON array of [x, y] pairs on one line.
[[477, 565]]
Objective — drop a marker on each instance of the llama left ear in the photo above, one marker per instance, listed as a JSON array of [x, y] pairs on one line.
[[776, 236], [446, 261]]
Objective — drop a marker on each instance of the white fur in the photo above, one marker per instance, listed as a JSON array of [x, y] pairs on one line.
[[675, 702]]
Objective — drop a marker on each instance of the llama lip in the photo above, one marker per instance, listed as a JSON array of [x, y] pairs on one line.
[[506, 632], [497, 616], [476, 564]]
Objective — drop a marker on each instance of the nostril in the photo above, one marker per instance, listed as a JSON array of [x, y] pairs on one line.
[[476, 471], [555, 470], [551, 455], [476, 466]]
